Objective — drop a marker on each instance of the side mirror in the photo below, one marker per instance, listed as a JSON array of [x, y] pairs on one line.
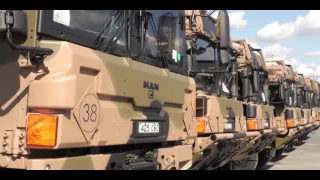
[[281, 80], [304, 87], [224, 28], [286, 100], [282, 92], [316, 100], [245, 83], [17, 22]]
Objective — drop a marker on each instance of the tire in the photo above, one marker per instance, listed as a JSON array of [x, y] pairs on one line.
[[249, 163], [265, 156], [278, 153]]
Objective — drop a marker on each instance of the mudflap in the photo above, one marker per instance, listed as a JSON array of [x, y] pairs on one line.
[[266, 156]]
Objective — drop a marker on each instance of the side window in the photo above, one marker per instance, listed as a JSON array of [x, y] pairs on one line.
[[164, 38], [205, 53], [206, 56]]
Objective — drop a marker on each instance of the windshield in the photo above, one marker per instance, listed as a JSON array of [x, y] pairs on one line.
[[289, 71], [107, 22], [301, 79], [163, 36], [209, 54]]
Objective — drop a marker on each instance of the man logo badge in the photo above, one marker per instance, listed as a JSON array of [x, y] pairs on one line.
[[150, 94], [152, 87]]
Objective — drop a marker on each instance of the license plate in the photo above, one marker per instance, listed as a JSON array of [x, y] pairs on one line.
[[266, 124], [148, 127], [228, 126]]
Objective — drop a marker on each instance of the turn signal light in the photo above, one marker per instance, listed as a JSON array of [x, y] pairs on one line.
[[201, 125], [303, 121], [318, 117], [42, 130], [252, 124], [290, 123], [312, 119]]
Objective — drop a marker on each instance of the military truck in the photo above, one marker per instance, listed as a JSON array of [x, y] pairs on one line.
[[253, 87], [222, 125], [125, 90], [309, 93], [70, 103], [318, 115], [315, 104], [95, 89], [283, 96]]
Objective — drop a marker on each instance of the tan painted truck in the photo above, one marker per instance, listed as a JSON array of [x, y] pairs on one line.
[[111, 89], [95, 89], [283, 96], [122, 90], [318, 106], [253, 86], [222, 125]]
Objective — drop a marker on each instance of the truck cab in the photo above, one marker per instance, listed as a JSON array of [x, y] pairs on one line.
[[95, 90], [222, 126], [283, 96], [253, 85]]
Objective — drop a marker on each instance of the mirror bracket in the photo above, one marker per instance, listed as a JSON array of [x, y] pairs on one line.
[[36, 54]]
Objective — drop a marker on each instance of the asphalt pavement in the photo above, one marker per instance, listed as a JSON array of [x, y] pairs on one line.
[[303, 157]]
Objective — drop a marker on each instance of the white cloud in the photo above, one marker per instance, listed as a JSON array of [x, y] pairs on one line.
[[313, 54], [282, 53], [308, 70], [276, 52], [235, 18], [302, 26], [253, 44]]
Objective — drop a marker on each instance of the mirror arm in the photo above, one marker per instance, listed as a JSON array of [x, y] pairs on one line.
[[37, 54], [43, 51]]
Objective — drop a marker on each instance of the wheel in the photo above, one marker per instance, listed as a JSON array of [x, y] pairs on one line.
[[265, 156], [278, 153], [249, 163]]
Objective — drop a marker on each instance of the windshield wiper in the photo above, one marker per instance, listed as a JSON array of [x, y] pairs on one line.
[[109, 22], [109, 44]]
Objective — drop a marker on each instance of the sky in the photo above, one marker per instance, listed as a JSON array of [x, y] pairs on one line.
[[290, 35]]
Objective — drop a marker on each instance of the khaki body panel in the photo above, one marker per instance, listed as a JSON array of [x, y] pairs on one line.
[[262, 111], [221, 111], [281, 121], [314, 114], [307, 116], [75, 75], [16, 76], [78, 72], [297, 115]]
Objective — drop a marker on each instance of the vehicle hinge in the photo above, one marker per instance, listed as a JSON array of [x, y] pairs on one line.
[[13, 142]]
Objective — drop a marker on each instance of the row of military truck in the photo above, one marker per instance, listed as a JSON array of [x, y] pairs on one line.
[[144, 90]]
